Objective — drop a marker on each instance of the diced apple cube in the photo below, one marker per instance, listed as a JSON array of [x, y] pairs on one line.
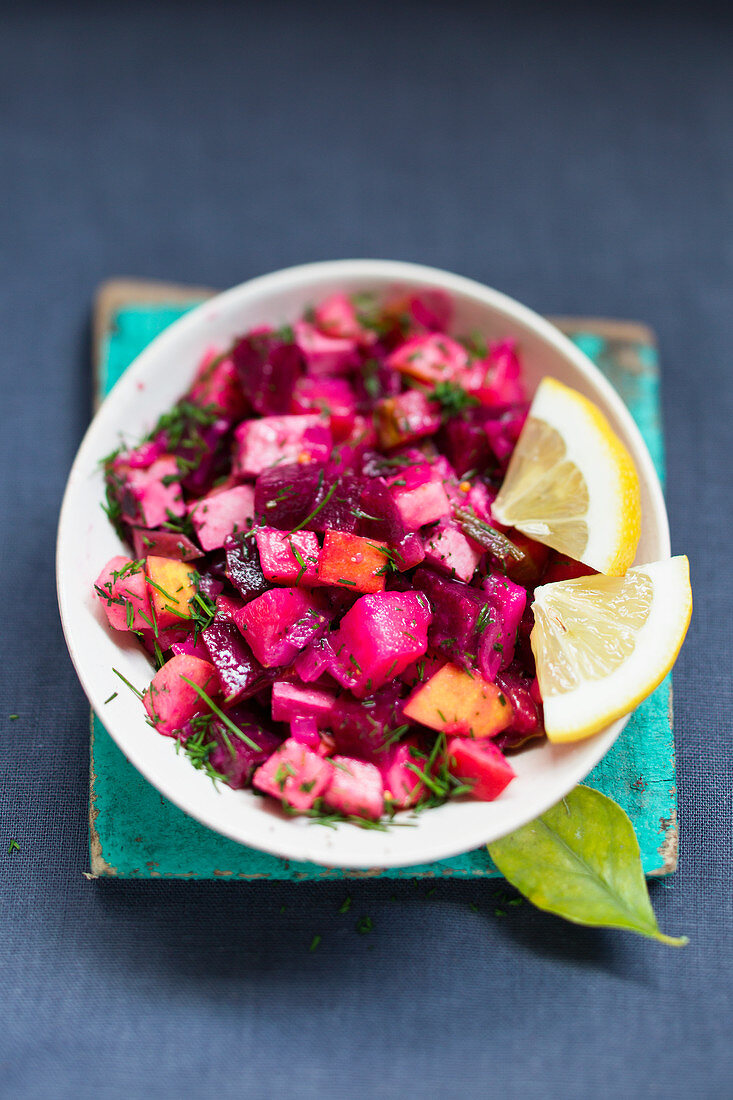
[[217, 383], [171, 590], [421, 504], [122, 585], [402, 787], [279, 623], [149, 496], [349, 561], [460, 703], [170, 700]]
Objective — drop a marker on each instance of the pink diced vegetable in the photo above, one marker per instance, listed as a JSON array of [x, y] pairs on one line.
[[450, 551], [431, 358], [294, 775], [163, 544], [402, 787], [123, 592], [171, 700], [355, 788], [325, 354], [221, 514], [378, 638], [305, 732], [274, 440], [481, 765], [288, 558], [293, 700], [150, 496], [279, 623]]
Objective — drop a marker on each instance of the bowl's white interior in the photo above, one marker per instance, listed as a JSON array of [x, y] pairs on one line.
[[87, 541]]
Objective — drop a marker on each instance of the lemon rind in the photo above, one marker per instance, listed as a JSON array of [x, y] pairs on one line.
[[669, 617]]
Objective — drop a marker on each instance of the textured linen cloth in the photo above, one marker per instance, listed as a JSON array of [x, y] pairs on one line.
[[578, 157]]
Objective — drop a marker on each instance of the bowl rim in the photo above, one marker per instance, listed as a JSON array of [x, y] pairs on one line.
[[294, 844]]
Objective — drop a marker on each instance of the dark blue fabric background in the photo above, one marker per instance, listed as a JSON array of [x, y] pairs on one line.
[[580, 157]]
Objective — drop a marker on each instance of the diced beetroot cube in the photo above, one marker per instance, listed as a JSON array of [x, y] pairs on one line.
[[221, 514], [163, 544], [352, 562], [305, 732], [325, 354], [316, 658], [336, 316], [288, 558], [497, 380], [480, 764], [239, 671], [509, 601], [528, 571], [190, 648], [363, 434], [170, 701], [243, 567], [279, 623], [563, 568], [420, 671], [122, 583], [364, 728], [292, 700], [404, 418], [431, 358], [238, 763], [378, 638], [449, 551], [409, 552], [431, 309], [147, 496], [217, 383], [273, 440], [226, 606], [402, 787], [422, 504], [268, 369], [355, 788], [294, 774], [456, 610], [527, 719], [331, 397]]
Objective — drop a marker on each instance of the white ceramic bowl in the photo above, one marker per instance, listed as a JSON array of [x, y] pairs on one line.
[[86, 541]]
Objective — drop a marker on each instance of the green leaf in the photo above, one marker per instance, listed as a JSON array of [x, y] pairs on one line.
[[581, 861]]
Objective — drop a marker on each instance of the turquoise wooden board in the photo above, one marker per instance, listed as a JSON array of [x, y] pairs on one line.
[[136, 833]]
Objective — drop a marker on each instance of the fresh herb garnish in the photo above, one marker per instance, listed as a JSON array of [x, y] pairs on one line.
[[497, 544], [112, 696], [317, 509], [13, 846], [453, 399], [221, 715]]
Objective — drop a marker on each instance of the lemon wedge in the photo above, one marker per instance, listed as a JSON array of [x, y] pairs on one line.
[[602, 644], [571, 484]]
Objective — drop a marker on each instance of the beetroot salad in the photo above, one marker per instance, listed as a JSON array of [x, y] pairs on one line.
[[334, 616]]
